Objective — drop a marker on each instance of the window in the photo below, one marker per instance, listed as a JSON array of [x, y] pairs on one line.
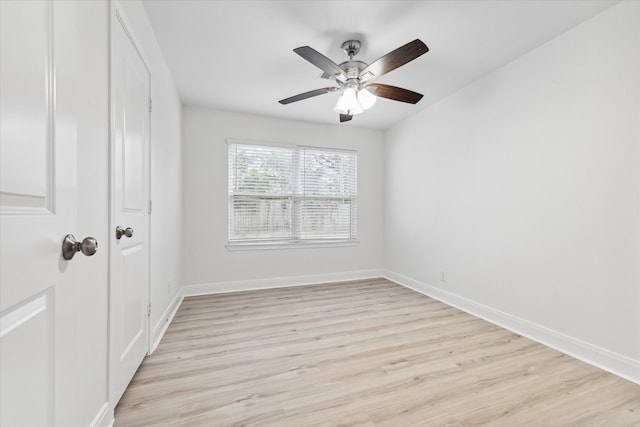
[[291, 194]]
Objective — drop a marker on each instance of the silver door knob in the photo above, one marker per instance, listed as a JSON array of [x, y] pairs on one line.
[[70, 246], [127, 232]]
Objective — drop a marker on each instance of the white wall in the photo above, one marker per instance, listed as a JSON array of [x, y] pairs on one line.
[[206, 259], [524, 188], [166, 170]]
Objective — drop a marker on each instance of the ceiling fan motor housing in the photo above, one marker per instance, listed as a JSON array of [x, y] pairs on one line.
[[353, 68]]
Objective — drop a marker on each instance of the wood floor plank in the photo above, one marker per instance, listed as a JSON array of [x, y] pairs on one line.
[[367, 353]]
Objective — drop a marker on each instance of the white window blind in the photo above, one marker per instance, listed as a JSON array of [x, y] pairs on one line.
[[327, 205], [260, 192], [291, 194]]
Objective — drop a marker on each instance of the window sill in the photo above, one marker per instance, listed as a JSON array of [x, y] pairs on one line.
[[289, 245]]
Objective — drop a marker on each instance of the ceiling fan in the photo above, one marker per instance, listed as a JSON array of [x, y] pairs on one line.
[[353, 77]]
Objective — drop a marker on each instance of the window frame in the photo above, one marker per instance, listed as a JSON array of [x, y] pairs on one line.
[[295, 241]]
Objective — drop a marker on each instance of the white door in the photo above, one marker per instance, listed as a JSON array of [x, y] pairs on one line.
[[38, 207], [129, 330]]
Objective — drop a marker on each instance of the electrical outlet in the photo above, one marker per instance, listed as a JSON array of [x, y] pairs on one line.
[[443, 276]]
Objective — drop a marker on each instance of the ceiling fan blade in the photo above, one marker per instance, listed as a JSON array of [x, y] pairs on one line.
[[321, 61], [395, 93], [394, 59], [306, 95], [345, 117]]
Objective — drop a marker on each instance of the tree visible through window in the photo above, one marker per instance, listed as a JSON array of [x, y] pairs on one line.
[[291, 194]]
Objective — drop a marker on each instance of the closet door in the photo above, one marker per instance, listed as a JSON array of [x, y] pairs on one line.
[[129, 332]]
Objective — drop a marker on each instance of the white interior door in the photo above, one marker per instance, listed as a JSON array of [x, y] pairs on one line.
[[129, 331], [38, 206]]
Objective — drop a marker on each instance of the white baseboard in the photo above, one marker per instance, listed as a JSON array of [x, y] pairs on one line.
[[615, 363], [278, 282], [165, 320], [102, 418]]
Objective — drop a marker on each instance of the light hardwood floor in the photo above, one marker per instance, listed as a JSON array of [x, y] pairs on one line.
[[367, 353]]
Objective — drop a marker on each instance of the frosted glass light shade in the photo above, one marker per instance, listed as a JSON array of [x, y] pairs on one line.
[[341, 106], [366, 98], [350, 97], [357, 108]]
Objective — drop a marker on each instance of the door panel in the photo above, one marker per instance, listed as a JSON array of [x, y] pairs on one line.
[[133, 298], [25, 105], [136, 89], [27, 154], [26, 341], [130, 198]]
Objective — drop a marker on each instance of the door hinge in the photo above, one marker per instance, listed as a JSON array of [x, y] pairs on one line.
[[149, 207], [149, 311], [150, 105]]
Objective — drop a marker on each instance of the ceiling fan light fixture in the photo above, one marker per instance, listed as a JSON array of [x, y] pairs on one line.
[[348, 103]]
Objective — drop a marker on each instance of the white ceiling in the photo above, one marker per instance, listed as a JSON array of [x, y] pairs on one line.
[[237, 55]]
